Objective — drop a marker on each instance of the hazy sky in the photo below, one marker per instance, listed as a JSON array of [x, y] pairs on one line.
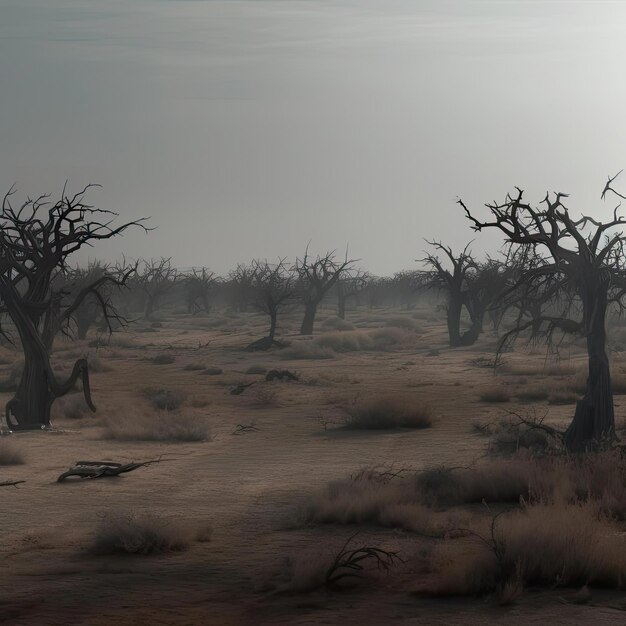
[[247, 128]]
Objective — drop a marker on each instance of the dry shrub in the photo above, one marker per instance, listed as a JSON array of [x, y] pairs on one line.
[[213, 371], [370, 501], [263, 396], [508, 436], [164, 399], [10, 453], [565, 545], [162, 426], [336, 323], [347, 565], [256, 369], [303, 350], [388, 412], [133, 533], [495, 394]]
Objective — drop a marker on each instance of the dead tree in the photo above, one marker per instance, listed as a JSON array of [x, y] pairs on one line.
[[155, 279], [36, 241], [406, 284], [348, 287], [273, 286], [240, 287], [453, 281], [584, 258], [199, 284], [316, 277], [89, 311]]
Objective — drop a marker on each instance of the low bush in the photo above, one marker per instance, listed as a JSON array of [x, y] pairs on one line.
[[133, 533], [164, 399], [388, 412]]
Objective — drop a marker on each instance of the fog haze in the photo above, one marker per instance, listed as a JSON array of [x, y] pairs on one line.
[[247, 128]]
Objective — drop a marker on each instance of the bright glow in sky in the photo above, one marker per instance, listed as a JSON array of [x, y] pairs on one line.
[[246, 128]]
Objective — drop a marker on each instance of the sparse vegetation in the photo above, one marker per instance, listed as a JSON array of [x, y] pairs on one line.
[[164, 399], [388, 412], [170, 426], [135, 533]]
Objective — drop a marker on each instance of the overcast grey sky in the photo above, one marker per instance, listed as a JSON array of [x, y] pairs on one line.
[[247, 128]]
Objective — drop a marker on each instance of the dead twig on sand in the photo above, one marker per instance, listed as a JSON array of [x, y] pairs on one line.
[[11, 483], [243, 428]]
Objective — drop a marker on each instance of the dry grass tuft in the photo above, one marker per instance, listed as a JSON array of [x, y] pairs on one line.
[[132, 533], [554, 544], [388, 412], [164, 399], [162, 426]]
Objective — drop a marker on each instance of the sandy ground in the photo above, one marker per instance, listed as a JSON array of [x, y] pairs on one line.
[[246, 486]]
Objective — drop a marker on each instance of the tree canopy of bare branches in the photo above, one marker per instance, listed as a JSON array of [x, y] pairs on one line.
[[199, 284], [273, 285], [155, 279], [582, 265], [36, 240], [316, 277]]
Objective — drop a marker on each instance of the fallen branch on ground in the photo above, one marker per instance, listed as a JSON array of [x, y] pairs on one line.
[[99, 469]]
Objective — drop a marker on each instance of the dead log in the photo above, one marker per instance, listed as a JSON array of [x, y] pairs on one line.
[[100, 469]]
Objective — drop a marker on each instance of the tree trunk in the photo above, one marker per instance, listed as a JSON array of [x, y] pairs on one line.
[[594, 418], [273, 323], [309, 318], [150, 305], [341, 302], [30, 406], [453, 315]]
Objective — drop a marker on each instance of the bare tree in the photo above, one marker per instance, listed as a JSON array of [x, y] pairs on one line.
[[317, 276], [240, 287], [584, 257], [452, 279], [273, 286], [199, 284], [36, 240], [89, 311], [350, 286], [156, 278]]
